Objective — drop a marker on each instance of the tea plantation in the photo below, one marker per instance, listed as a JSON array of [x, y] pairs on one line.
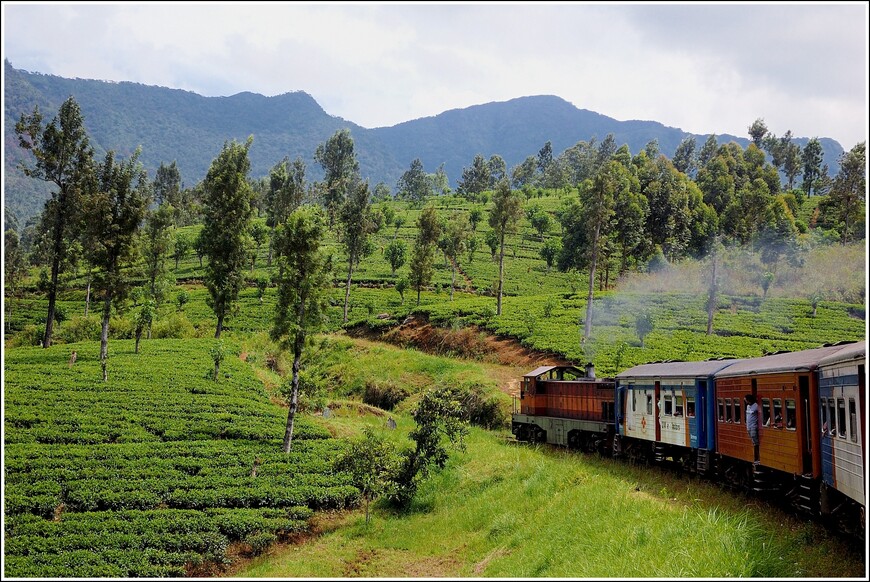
[[155, 472]]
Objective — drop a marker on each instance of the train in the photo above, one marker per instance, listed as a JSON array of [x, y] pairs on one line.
[[692, 415]]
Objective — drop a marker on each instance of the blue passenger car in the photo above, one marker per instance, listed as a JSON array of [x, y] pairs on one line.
[[667, 411]]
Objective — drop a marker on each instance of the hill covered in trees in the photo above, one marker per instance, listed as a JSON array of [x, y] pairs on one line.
[[176, 125]]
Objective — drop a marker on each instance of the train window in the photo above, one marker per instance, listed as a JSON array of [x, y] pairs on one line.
[[853, 421], [841, 418], [690, 406], [721, 410], [678, 405], [669, 405], [777, 413], [823, 411], [765, 411], [633, 400], [832, 416], [790, 414], [727, 410], [737, 416], [649, 403]]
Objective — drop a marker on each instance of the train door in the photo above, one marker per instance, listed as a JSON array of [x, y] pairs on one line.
[[657, 410], [805, 434]]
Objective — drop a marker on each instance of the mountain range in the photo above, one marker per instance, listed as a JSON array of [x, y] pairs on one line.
[[190, 129]]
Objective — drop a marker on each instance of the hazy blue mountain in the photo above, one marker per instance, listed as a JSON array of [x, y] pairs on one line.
[[172, 124]]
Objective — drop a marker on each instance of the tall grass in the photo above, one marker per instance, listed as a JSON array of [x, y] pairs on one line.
[[516, 511]]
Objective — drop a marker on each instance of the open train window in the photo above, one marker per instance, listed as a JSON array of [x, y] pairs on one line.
[[690, 406], [790, 414], [678, 405], [841, 418], [777, 413], [832, 416], [649, 403], [853, 421], [728, 410], [721, 410], [765, 411], [737, 416], [823, 412], [669, 405]]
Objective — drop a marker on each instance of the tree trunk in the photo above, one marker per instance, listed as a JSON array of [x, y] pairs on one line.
[[453, 282], [104, 336], [52, 299], [298, 345], [587, 328], [88, 296], [500, 274], [138, 337], [347, 288], [220, 325]]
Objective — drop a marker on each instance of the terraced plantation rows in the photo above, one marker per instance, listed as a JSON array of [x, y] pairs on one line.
[[161, 468]]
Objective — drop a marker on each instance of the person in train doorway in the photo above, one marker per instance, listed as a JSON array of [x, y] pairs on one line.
[[752, 422]]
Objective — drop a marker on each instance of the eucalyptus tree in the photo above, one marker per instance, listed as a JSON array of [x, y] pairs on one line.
[[598, 200], [475, 179], [846, 199], [497, 170], [303, 285], [64, 158], [167, 185], [453, 242], [157, 245], [811, 158], [421, 264], [356, 225], [507, 208], [14, 269], [226, 226], [524, 174], [285, 193], [791, 165], [340, 168], [181, 246], [115, 207], [758, 131], [395, 253], [685, 158], [708, 151], [414, 185]]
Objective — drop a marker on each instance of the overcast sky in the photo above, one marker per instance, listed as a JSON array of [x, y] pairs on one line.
[[704, 68]]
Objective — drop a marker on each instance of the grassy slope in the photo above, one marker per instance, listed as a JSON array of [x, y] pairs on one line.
[[506, 510]]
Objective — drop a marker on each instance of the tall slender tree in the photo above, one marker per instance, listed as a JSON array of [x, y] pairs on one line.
[[507, 209], [812, 158], [157, 245], [598, 201], [224, 235], [340, 168], [115, 210], [356, 225], [303, 285], [64, 158], [846, 200], [455, 236]]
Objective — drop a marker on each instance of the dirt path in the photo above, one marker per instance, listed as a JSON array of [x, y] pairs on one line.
[[506, 358]]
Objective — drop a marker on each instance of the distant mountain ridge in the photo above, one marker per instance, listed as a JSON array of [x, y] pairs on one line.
[[173, 124]]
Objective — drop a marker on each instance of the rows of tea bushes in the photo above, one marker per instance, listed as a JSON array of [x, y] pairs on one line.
[[743, 327], [156, 471]]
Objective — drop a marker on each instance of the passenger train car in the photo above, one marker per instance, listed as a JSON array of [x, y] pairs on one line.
[[811, 416]]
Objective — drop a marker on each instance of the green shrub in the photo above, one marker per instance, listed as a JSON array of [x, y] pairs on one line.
[[175, 325], [260, 541], [121, 328], [80, 328], [385, 396], [30, 335]]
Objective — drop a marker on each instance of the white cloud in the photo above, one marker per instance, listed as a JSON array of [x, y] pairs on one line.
[[703, 68]]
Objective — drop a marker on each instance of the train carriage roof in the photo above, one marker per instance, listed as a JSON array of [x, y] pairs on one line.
[[847, 353], [802, 361], [701, 369], [544, 369]]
